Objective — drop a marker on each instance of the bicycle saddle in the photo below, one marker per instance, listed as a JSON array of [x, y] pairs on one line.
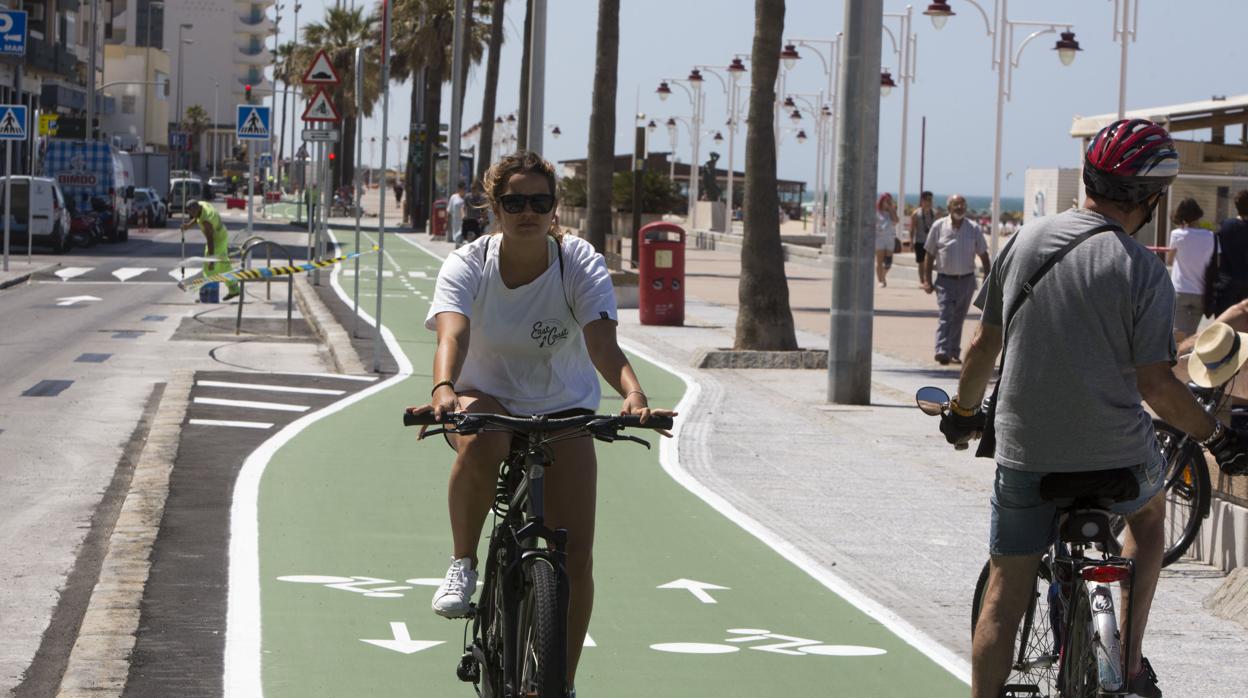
[[1093, 487]]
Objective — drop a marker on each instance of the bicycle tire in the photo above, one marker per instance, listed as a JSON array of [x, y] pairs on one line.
[[1035, 657], [541, 672], [1079, 672], [1188, 492]]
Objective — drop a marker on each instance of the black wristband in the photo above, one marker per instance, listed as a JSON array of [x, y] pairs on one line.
[[439, 384]]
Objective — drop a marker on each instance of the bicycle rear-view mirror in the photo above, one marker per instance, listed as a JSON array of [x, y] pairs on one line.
[[931, 400]]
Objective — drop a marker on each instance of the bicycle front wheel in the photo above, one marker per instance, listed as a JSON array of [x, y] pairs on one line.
[[542, 671], [1079, 672], [1035, 658]]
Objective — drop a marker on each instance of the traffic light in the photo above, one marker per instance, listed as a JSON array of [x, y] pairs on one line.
[[247, 90], [331, 156]]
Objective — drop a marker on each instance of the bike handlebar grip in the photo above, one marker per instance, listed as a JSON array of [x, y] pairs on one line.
[[655, 422], [417, 420]]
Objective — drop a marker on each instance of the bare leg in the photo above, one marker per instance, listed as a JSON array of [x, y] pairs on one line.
[[1010, 580], [473, 475], [571, 503], [1144, 543], [880, 271]]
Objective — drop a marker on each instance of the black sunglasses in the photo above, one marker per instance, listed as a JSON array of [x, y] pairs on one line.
[[514, 203]]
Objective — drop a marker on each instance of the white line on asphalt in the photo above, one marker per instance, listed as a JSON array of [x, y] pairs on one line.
[[274, 388], [243, 652], [669, 458], [252, 404], [126, 273], [70, 272], [343, 376], [229, 423]]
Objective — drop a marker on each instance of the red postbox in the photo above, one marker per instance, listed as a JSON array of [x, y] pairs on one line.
[[438, 221], [661, 283]]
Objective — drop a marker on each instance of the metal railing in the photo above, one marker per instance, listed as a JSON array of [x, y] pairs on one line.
[[244, 259]]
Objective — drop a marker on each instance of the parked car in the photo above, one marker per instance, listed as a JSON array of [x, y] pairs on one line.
[[91, 170], [39, 211], [182, 191], [219, 186], [147, 201]]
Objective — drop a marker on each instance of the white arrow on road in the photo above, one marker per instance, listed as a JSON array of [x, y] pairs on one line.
[[70, 300], [403, 641], [698, 589], [70, 272], [126, 273]]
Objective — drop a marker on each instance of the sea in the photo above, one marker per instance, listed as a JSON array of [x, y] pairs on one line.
[[973, 202]]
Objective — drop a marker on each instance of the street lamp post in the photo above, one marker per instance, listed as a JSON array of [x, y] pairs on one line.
[[698, 101], [832, 70], [734, 70], [1128, 12], [816, 110], [273, 163], [1004, 60], [181, 119], [216, 119], [904, 45]]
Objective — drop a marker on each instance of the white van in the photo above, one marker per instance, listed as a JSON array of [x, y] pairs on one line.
[[38, 209], [182, 191]]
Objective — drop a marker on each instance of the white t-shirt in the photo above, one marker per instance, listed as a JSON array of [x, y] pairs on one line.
[[526, 347], [1193, 248]]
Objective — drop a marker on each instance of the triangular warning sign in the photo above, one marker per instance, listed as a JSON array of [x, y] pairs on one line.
[[321, 108], [10, 125], [321, 72], [253, 125]]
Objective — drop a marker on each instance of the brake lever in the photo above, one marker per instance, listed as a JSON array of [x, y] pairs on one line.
[[434, 432], [635, 439]]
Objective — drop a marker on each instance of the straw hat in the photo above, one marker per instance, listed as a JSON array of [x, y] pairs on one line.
[[1219, 353]]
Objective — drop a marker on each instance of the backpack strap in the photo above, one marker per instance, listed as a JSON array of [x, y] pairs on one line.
[[563, 277]]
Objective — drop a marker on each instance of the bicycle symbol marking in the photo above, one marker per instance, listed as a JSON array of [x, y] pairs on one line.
[[789, 645], [365, 586]]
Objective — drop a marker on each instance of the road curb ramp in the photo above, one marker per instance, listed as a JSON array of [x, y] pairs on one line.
[[99, 663]]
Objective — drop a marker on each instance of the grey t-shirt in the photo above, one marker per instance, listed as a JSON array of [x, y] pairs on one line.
[[1068, 399]]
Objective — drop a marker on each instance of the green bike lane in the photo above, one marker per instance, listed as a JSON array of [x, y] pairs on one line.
[[339, 534]]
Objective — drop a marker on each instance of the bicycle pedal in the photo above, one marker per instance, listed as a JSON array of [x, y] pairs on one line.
[[468, 670], [1018, 690]]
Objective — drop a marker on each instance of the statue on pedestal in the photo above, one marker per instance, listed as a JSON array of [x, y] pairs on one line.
[[710, 188]]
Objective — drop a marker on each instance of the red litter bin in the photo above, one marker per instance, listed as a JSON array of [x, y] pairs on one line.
[[438, 222], [661, 286]]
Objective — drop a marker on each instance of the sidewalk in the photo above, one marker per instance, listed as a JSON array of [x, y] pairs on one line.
[[872, 493], [20, 271]]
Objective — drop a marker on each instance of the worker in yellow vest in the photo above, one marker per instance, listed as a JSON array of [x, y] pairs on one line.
[[216, 243]]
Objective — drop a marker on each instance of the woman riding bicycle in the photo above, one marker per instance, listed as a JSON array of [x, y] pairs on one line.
[[540, 310]]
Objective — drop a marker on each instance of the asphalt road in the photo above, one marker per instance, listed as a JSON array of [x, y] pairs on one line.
[[81, 354]]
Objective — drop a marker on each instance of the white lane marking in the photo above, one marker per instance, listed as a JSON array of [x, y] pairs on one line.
[[243, 654], [70, 272], [698, 589], [403, 641], [418, 274], [273, 388], [342, 376], [252, 404], [230, 423], [589, 641], [126, 273], [695, 648], [669, 459], [71, 300]]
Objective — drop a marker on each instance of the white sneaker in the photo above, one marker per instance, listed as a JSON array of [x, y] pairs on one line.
[[452, 597]]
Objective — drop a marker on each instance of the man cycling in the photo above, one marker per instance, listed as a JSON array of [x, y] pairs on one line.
[[1094, 339]]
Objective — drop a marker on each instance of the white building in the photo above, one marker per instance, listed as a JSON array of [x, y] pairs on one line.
[[136, 76], [1049, 191], [226, 47]]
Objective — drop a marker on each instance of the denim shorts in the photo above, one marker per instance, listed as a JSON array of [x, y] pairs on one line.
[[1025, 524]]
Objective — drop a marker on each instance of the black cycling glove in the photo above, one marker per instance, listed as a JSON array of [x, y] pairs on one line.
[[958, 428], [1230, 450]]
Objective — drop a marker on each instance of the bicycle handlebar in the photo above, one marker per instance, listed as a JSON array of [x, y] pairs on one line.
[[542, 424]]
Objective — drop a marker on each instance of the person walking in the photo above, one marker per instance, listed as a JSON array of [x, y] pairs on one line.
[[539, 309], [1233, 257], [921, 220], [1093, 344], [1191, 249], [953, 243], [398, 193], [455, 215], [885, 236]]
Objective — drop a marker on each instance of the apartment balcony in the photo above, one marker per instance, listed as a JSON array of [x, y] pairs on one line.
[[252, 55], [52, 58], [254, 23]]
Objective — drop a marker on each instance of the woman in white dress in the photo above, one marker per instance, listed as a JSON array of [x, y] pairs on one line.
[[885, 235]]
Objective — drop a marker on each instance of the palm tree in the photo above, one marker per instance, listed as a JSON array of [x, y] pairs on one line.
[[423, 31], [343, 30], [765, 321], [485, 149], [196, 122], [522, 125], [601, 164], [287, 72]]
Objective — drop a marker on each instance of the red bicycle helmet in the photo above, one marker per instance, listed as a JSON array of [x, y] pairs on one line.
[[1130, 160]]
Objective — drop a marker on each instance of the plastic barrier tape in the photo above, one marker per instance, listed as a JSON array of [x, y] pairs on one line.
[[265, 273]]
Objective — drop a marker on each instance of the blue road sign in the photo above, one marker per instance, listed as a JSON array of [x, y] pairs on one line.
[[266, 160], [12, 33], [13, 124], [253, 122]]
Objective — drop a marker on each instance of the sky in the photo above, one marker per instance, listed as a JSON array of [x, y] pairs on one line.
[[1184, 52]]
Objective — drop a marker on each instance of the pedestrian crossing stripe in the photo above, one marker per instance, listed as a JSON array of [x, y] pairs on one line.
[[265, 273], [13, 123]]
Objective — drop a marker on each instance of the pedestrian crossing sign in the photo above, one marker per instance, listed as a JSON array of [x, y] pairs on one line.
[[253, 122], [12, 122]]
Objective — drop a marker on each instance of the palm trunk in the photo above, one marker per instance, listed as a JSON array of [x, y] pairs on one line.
[[464, 65], [765, 321], [412, 210], [601, 164], [433, 109], [522, 121], [485, 152]]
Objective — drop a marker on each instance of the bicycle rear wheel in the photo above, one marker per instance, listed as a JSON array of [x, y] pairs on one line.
[[1035, 658], [489, 629], [542, 672], [1079, 673]]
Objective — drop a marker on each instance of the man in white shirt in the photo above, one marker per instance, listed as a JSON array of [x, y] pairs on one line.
[[952, 245], [455, 212]]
